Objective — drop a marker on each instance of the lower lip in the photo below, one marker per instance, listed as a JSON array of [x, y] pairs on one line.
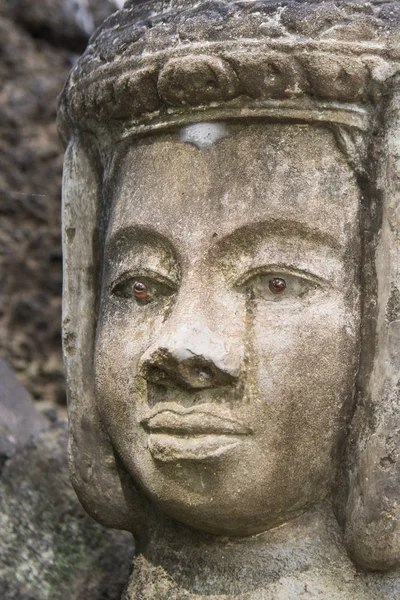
[[170, 448]]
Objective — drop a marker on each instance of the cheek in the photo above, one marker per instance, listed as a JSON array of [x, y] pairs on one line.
[[123, 335], [304, 364], [305, 361]]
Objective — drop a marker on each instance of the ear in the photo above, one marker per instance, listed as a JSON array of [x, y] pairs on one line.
[[103, 486], [372, 510]]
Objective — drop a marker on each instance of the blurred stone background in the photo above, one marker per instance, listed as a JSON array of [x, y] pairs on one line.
[[39, 42]]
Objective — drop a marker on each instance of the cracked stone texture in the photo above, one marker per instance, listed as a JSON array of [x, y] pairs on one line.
[[39, 42]]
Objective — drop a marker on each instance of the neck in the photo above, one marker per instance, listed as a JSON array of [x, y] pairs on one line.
[[179, 562]]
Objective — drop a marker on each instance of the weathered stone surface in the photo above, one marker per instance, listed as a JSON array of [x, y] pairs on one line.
[[50, 549], [232, 350]]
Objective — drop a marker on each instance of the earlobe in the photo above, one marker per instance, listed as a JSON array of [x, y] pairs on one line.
[[372, 512], [101, 482]]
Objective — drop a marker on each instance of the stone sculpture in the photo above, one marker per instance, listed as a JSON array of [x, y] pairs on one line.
[[231, 308]]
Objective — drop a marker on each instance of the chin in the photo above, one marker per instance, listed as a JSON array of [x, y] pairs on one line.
[[215, 500], [224, 518]]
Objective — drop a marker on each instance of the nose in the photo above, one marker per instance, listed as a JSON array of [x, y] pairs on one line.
[[195, 372], [190, 360]]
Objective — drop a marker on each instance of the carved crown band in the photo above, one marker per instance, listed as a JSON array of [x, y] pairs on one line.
[[255, 80]]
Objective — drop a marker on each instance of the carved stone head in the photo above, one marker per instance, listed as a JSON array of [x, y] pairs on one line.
[[231, 235]]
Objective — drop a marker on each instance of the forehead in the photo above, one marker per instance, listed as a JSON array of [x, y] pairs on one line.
[[289, 178]]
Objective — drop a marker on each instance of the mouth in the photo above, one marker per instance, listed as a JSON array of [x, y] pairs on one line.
[[195, 433]]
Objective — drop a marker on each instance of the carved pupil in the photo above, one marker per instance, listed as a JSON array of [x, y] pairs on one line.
[[140, 290], [277, 285]]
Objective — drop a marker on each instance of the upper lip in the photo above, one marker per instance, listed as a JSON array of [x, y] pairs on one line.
[[196, 420]]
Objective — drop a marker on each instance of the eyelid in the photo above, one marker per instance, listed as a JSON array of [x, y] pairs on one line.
[[145, 273], [277, 269]]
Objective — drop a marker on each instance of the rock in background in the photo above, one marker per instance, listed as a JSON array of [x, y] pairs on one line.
[[39, 42], [19, 419], [49, 548]]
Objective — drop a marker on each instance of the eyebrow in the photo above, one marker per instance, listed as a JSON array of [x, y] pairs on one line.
[[245, 237], [250, 234], [138, 235]]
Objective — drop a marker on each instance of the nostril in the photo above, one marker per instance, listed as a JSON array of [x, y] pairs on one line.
[[166, 370], [205, 373], [196, 374], [155, 375]]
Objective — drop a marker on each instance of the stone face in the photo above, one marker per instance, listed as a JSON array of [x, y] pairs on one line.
[[232, 358], [200, 346]]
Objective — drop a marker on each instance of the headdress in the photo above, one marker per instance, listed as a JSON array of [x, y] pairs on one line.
[[157, 65]]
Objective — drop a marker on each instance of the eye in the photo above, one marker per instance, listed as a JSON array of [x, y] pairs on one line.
[[279, 287], [140, 290], [144, 289]]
